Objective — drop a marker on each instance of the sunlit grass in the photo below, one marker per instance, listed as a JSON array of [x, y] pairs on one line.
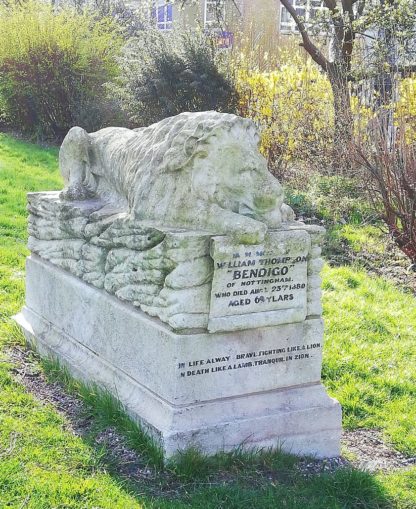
[[370, 353], [368, 238]]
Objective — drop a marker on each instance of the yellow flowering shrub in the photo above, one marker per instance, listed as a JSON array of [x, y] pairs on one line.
[[293, 107], [406, 106], [362, 115]]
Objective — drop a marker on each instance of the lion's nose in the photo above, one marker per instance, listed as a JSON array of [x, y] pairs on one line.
[[265, 201], [273, 187]]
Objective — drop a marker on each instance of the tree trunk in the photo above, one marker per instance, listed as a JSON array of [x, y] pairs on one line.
[[386, 83], [343, 121]]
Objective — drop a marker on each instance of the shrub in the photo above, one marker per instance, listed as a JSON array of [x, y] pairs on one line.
[[332, 198], [165, 74], [406, 106], [131, 19], [53, 66], [293, 107], [390, 166]]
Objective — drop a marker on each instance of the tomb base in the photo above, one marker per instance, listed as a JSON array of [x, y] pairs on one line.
[[253, 388]]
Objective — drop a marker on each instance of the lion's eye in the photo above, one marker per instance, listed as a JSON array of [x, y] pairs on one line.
[[246, 171]]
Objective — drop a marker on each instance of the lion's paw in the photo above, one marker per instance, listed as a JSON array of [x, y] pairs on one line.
[[251, 235], [76, 192], [288, 215]]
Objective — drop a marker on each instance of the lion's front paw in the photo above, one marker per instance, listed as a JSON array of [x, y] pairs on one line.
[[288, 214], [252, 234], [76, 192]]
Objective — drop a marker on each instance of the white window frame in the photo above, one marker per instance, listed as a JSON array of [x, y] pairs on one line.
[[289, 27], [213, 23], [165, 24]]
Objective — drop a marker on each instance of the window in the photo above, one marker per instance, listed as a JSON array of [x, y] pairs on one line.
[[214, 13], [308, 9], [163, 13]]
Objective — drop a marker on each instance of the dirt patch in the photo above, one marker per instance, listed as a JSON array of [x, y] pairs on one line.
[[307, 466], [365, 447], [29, 373], [392, 265], [369, 451]]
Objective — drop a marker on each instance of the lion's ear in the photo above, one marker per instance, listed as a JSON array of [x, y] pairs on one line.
[[190, 144], [257, 138]]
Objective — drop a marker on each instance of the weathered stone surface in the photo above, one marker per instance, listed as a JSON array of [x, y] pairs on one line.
[[174, 274], [265, 285], [165, 272], [214, 391]]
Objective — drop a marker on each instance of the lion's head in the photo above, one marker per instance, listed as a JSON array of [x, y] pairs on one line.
[[220, 153]]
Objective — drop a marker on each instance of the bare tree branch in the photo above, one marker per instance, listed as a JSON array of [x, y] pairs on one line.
[[309, 46]]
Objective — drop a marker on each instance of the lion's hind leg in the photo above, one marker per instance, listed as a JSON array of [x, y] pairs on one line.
[[74, 163]]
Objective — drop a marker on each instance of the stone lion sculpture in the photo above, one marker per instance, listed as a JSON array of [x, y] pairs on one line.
[[194, 170]]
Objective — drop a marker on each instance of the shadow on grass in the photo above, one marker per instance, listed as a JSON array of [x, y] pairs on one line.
[[240, 479]]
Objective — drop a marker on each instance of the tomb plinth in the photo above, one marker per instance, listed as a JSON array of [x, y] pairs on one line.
[[206, 326]]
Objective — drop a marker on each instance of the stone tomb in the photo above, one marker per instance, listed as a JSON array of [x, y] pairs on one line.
[[206, 326]]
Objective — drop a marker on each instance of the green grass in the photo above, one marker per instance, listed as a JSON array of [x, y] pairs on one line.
[[369, 366], [368, 240], [370, 353], [105, 410], [361, 237]]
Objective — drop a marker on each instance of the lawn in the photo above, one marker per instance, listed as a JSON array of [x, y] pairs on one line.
[[369, 365]]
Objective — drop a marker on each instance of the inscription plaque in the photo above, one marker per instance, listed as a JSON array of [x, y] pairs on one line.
[[262, 285]]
